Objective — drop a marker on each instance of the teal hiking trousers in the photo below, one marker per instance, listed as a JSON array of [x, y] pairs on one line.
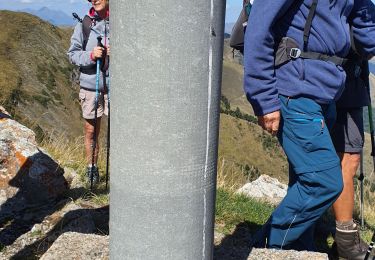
[[315, 178]]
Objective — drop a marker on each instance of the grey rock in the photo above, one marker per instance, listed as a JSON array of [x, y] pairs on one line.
[[79, 246], [272, 254], [28, 175], [265, 188]]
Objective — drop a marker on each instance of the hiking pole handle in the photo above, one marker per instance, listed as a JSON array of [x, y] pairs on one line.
[[99, 44], [76, 16]]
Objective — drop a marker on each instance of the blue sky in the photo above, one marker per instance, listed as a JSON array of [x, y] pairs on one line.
[[67, 6], [232, 11]]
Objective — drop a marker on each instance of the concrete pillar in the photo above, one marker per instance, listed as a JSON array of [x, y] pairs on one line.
[[166, 64]]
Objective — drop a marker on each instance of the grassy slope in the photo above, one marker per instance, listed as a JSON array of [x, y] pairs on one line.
[[242, 143], [232, 82], [35, 74]]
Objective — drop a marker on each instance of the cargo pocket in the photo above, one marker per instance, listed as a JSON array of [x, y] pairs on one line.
[[305, 131]]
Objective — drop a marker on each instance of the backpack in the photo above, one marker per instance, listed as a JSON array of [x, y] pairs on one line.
[[86, 28], [288, 47], [239, 28]]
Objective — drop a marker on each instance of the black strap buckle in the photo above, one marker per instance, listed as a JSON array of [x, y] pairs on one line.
[[295, 53]]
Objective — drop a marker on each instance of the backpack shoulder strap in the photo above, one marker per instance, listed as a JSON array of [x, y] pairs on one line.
[[306, 31], [86, 29]]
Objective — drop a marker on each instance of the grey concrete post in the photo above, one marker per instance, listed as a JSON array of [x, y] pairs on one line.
[[166, 63]]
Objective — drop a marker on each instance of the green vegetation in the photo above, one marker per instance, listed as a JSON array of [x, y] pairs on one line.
[[43, 100], [35, 75], [232, 209], [225, 108]]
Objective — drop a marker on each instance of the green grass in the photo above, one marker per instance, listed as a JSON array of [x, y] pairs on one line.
[[232, 209]]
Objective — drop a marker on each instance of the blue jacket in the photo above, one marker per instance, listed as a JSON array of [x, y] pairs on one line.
[[270, 20]]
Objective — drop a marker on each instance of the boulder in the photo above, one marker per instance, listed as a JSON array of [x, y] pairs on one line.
[[265, 188], [79, 246], [28, 175]]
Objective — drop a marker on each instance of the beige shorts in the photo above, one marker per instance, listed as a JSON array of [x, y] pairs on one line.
[[87, 100]]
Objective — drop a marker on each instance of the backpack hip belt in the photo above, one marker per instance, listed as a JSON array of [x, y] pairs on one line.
[[89, 70], [288, 50]]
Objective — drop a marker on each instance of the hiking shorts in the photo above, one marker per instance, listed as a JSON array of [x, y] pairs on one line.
[[87, 100], [347, 133]]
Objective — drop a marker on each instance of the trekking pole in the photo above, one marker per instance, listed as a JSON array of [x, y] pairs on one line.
[[369, 107], [108, 133], [371, 246], [94, 141], [360, 178]]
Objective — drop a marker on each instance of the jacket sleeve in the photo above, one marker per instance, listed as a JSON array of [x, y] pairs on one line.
[[259, 73], [76, 54], [362, 19]]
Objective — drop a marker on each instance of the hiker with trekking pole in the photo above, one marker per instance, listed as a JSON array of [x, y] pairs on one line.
[[294, 53], [348, 138], [90, 51]]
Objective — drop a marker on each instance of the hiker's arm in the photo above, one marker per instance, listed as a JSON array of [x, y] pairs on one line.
[[259, 76], [362, 19], [76, 54]]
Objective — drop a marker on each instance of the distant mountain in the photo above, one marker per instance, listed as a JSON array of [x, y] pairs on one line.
[[57, 18]]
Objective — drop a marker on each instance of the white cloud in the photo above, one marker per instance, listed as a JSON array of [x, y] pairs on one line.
[[26, 1]]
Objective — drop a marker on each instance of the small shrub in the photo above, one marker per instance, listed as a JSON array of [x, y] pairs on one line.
[[43, 100]]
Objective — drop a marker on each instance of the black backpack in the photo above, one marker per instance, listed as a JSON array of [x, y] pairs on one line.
[[239, 28], [86, 28]]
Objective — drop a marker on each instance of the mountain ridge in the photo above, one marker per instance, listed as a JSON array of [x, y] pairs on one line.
[[36, 76], [57, 18]]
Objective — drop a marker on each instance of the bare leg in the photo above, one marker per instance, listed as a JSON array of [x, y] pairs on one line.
[[344, 205], [89, 137]]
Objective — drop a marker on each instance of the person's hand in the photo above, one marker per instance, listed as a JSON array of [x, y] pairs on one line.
[[108, 49], [270, 122], [97, 52]]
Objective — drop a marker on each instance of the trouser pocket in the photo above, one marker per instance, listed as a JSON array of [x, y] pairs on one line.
[[304, 130]]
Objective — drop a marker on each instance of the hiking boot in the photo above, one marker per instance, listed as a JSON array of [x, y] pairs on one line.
[[349, 245], [94, 171]]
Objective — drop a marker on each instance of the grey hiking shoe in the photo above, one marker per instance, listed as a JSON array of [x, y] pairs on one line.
[[94, 172], [349, 245]]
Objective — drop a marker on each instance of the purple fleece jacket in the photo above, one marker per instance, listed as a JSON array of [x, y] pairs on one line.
[[270, 20]]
